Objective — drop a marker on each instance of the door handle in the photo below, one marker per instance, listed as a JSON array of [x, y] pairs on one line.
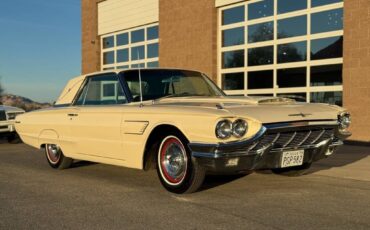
[[72, 114]]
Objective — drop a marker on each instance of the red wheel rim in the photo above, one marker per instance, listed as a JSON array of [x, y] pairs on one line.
[[173, 160]]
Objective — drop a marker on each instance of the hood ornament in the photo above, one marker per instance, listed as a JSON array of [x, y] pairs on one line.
[[300, 114]]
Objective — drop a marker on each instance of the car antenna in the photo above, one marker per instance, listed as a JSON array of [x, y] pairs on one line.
[[140, 88]]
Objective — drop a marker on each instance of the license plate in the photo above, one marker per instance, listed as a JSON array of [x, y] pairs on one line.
[[292, 158]]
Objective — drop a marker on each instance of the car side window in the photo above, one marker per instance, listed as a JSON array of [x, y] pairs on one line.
[[102, 90]]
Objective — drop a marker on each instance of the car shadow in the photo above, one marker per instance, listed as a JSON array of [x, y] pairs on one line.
[[212, 181], [80, 164]]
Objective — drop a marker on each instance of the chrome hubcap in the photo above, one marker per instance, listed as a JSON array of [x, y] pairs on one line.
[[173, 160], [53, 152]]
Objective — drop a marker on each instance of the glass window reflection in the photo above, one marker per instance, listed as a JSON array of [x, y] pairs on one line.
[[294, 77], [324, 2], [233, 59], [300, 97], [152, 50], [334, 98], [233, 15], [122, 55], [122, 39], [327, 21], [233, 37], [261, 56], [327, 48], [152, 33], [326, 75], [261, 79], [285, 6], [292, 27], [137, 53], [108, 57], [137, 36], [292, 52], [260, 9], [233, 81], [108, 42], [261, 32]]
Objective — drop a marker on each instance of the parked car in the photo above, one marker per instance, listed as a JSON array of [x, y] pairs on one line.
[[182, 124], [7, 119]]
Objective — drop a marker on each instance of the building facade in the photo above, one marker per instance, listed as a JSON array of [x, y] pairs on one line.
[[310, 50]]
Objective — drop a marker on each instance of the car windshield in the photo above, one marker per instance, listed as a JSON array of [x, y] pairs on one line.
[[158, 84]]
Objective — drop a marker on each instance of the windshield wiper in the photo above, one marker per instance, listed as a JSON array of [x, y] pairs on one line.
[[180, 95]]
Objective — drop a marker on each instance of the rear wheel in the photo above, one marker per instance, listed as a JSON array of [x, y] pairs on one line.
[[176, 170], [56, 158], [293, 171]]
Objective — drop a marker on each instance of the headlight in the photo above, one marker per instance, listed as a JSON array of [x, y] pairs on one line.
[[224, 129], [11, 116], [240, 128], [344, 120]]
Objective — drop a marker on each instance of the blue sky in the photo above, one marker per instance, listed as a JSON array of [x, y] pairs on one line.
[[40, 46]]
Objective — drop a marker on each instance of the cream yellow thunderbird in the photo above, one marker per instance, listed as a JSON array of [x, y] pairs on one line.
[[182, 124]]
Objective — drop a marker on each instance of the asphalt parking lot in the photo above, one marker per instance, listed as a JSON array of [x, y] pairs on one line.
[[335, 194]]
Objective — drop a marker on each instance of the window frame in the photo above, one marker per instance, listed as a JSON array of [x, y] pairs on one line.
[[86, 82], [144, 60], [308, 89]]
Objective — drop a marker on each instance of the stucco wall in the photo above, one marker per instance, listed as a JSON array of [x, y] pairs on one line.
[[356, 70], [89, 37], [187, 35]]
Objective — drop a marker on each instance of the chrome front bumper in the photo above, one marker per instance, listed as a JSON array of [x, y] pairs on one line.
[[265, 149]]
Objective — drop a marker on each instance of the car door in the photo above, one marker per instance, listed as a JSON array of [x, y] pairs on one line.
[[96, 120]]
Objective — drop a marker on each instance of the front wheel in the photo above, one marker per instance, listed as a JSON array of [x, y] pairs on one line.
[[56, 158], [176, 170], [293, 171]]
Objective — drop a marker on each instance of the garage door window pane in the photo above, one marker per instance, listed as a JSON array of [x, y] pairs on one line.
[[260, 79], [233, 81], [327, 48], [295, 77], [327, 21], [153, 50], [260, 9], [261, 32], [152, 33], [233, 37], [108, 42], [137, 36], [122, 39], [261, 56], [122, 55], [285, 6], [326, 75], [233, 59], [108, 57], [292, 52], [334, 98], [292, 27], [233, 15], [137, 53], [324, 2], [153, 64]]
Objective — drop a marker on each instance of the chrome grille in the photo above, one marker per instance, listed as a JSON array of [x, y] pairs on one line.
[[293, 139], [2, 115]]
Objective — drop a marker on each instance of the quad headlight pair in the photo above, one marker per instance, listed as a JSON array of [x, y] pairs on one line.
[[344, 121], [226, 128]]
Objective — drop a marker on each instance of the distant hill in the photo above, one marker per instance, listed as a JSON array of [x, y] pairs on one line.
[[22, 102]]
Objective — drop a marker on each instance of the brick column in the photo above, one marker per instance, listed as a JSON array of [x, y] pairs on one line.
[[187, 35], [356, 66], [90, 39]]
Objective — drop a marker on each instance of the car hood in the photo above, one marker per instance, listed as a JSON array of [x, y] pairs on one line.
[[263, 109]]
